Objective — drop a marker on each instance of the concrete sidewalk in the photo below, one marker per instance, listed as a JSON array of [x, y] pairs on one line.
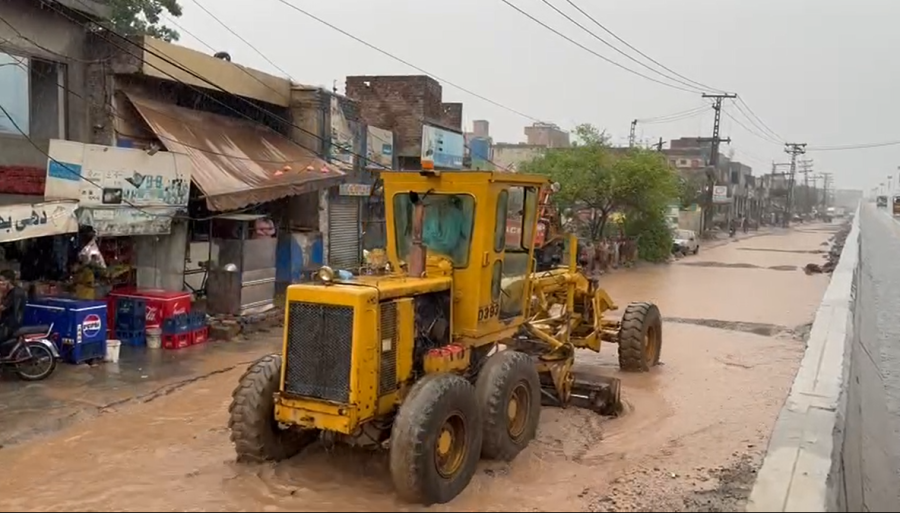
[[75, 393]]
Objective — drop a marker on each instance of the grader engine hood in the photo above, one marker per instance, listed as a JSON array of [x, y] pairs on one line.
[[347, 347]]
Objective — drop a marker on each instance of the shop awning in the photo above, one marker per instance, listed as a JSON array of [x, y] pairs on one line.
[[27, 217], [236, 160]]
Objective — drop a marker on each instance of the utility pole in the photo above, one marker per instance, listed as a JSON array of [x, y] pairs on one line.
[[714, 153], [659, 145], [793, 149], [806, 169], [826, 179], [631, 134]]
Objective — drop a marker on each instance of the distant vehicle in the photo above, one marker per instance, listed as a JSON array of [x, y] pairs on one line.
[[896, 209], [881, 201], [686, 242]]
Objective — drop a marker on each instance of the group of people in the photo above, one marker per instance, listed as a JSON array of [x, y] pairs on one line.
[[608, 253]]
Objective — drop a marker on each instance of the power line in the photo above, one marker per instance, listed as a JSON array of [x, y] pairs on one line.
[[626, 55], [678, 116], [407, 63], [585, 48], [755, 123], [861, 146], [651, 59], [763, 123]]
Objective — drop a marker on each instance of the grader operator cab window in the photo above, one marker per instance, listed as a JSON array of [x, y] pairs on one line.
[[447, 230]]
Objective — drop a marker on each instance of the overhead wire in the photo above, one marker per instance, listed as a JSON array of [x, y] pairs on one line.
[[642, 54], [589, 50], [626, 55], [678, 116]]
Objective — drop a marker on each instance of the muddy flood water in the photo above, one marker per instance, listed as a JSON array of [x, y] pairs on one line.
[[696, 427]]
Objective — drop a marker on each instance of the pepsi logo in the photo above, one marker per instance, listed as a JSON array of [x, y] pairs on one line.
[[91, 325]]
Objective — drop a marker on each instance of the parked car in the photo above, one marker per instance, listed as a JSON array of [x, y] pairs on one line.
[[686, 242]]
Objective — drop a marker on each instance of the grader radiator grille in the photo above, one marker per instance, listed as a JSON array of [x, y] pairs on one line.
[[319, 351], [388, 375]]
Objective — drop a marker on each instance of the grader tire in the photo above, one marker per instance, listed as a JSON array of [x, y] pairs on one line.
[[255, 433], [509, 394], [436, 440], [640, 338]]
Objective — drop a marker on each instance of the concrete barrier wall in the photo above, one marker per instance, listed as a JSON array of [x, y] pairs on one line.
[[797, 473], [865, 467]]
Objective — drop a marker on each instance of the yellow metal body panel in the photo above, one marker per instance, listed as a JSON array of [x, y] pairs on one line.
[[364, 364]]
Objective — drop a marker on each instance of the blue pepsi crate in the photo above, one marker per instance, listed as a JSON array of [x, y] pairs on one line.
[[177, 324], [197, 320], [131, 314], [135, 338]]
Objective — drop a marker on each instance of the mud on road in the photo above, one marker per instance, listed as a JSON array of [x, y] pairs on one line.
[[691, 439]]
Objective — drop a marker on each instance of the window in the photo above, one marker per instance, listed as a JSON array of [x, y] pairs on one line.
[[33, 91], [447, 229], [523, 203], [14, 74], [500, 227]]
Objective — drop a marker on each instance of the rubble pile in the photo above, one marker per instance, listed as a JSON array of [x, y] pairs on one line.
[[836, 243]]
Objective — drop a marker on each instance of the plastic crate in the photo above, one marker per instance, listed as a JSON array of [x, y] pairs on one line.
[[200, 336], [197, 320], [132, 338], [177, 325], [131, 314], [176, 340]]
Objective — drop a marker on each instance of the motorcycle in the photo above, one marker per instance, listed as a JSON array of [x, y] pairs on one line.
[[30, 353]]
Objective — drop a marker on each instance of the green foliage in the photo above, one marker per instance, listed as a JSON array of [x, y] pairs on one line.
[[143, 18], [601, 180], [691, 189], [654, 236]]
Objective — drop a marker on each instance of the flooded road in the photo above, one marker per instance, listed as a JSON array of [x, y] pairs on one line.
[[691, 439]]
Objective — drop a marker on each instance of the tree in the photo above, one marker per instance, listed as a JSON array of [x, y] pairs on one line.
[[597, 180], [143, 18]]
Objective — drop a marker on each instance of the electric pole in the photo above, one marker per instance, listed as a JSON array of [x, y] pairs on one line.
[[806, 169], [793, 149], [659, 145], [826, 186], [714, 153], [631, 134]]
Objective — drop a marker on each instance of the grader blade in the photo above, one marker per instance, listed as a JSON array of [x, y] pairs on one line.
[[601, 394]]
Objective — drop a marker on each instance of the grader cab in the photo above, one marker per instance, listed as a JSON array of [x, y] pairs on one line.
[[447, 356]]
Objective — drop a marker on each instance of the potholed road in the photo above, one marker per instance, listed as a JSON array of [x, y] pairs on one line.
[[693, 435]]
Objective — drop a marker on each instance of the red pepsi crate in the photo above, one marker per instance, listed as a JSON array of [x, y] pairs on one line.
[[200, 336], [176, 341]]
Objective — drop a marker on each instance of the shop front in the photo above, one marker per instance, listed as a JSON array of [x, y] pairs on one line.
[[242, 167]]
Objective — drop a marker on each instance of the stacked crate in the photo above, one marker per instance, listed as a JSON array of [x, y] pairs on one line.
[[131, 321], [183, 330]]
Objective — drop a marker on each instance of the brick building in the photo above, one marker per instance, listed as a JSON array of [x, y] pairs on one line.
[[403, 104]]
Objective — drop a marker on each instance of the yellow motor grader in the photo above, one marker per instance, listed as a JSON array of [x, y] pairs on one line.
[[446, 355]]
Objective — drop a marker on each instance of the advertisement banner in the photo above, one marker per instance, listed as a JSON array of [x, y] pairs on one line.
[[29, 220], [96, 175], [379, 148], [340, 151], [442, 148], [119, 222], [720, 194]]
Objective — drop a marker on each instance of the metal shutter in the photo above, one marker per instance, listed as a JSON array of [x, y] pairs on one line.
[[343, 232]]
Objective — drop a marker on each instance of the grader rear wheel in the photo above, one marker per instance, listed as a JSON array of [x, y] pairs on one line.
[[436, 440], [509, 394], [256, 435], [640, 337]]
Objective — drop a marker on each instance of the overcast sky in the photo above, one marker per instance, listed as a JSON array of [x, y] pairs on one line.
[[822, 72]]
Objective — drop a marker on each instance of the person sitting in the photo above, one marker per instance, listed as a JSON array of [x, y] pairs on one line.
[[12, 310]]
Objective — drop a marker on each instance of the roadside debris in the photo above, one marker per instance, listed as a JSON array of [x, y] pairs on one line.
[[834, 253]]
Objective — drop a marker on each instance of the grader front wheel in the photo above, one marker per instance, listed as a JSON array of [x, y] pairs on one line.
[[436, 440], [509, 394], [640, 337], [256, 434]]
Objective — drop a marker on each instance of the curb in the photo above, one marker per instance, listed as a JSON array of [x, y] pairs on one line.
[[798, 463]]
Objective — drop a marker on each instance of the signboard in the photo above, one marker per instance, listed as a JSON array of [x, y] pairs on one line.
[[118, 222], [444, 149], [720, 194], [379, 148], [355, 189], [28, 220], [97, 175]]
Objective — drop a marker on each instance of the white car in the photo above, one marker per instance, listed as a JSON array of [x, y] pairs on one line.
[[686, 242]]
